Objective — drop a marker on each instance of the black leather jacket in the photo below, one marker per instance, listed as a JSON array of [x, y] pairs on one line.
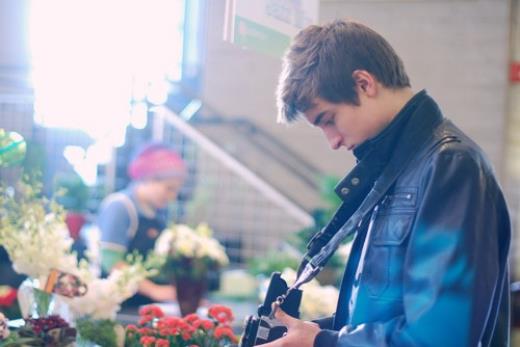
[[429, 265]]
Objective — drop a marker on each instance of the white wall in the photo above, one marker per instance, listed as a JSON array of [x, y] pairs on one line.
[[14, 46], [13, 33], [458, 50]]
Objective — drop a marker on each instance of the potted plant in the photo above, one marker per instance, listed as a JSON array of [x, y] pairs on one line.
[[156, 329], [191, 254]]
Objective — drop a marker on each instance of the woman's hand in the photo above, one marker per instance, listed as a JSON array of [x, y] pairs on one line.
[[158, 292]]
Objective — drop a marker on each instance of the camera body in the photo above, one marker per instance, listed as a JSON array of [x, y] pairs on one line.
[[260, 329]]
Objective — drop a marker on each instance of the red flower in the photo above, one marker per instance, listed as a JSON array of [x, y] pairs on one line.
[[221, 313], [169, 322], [191, 317], [168, 331], [151, 310], [185, 326], [7, 296], [145, 319], [186, 334], [145, 331], [131, 327], [205, 324], [147, 341], [162, 343], [225, 331]]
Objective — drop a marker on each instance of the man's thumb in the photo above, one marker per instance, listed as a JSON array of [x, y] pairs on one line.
[[284, 318]]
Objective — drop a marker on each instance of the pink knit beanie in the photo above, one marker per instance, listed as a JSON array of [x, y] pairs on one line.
[[156, 161]]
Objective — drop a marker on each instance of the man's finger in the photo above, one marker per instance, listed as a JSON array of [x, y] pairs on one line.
[[284, 318]]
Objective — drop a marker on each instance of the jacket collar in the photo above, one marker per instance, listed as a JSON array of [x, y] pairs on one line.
[[384, 142], [420, 115]]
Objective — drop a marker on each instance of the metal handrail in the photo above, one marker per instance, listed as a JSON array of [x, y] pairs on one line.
[[234, 165], [291, 160], [313, 173]]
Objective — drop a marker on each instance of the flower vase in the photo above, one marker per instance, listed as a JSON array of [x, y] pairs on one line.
[[43, 303], [189, 293], [35, 302]]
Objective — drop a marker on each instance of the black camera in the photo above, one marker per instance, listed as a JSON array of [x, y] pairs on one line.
[[260, 329]]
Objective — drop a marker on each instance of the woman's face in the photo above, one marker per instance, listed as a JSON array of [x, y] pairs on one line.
[[160, 192]]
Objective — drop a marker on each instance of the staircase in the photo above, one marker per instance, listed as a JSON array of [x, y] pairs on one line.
[[265, 155]]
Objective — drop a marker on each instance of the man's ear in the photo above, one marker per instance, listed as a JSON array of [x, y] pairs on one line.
[[365, 82]]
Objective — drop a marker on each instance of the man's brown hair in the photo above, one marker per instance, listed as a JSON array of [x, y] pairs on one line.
[[320, 63]]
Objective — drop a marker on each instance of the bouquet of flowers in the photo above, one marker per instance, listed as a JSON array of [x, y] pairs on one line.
[[155, 329], [33, 232], [49, 331], [104, 295], [190, 253]]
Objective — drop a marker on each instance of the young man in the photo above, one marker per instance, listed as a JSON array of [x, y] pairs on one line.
[[428, 265]]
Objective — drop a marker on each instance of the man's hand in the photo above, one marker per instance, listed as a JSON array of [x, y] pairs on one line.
[[299, 333]]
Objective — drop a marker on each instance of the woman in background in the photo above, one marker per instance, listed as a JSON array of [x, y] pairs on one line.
[[131, 220]]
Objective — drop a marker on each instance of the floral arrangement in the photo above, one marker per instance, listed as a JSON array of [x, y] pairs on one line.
[[317, 300], [48, 331], [190, 252], [156, 329], [105, 295], [33, 232]]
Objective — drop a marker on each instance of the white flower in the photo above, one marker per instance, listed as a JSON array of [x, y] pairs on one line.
[[181, 240], [36, 251], [163, 242], [105, 295]]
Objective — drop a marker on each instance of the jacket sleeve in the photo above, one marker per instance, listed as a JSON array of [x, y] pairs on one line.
[[451, 267], [325, 322]]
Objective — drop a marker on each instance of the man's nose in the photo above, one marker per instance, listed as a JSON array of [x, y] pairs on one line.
[[333, 137]]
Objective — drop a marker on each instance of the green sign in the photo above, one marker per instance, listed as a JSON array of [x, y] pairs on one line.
[[251, 35]]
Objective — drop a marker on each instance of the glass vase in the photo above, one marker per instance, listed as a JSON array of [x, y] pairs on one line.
[[190, 292], [35, 302]]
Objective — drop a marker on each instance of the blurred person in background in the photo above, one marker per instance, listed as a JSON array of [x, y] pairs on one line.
[[132, 219], [429, 262]]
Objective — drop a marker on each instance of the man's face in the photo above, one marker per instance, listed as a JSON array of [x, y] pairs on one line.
[[346, 125]]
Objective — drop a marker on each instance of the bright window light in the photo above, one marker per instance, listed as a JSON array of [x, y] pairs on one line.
[[91, 58], [139, 115]]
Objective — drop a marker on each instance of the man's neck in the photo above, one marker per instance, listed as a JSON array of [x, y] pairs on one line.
[[393, 101]]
